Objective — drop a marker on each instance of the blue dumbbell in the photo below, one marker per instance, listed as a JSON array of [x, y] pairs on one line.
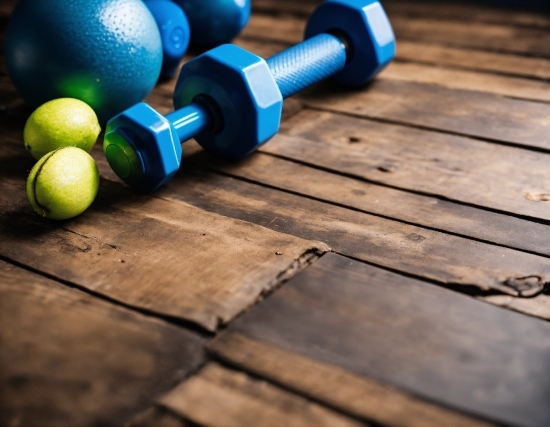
[[174, 33], [230, 100]]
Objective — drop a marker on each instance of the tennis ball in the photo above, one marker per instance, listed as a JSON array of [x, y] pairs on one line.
[[64, 122], [63, 183]]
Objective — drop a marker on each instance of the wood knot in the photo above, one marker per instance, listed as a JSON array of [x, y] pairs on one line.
[[528, 286], [415, 237]]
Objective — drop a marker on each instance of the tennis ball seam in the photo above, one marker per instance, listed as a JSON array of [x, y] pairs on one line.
[[45, 212]]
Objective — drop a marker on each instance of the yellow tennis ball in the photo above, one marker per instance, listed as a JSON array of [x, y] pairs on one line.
[[64, 122], [63, 183]]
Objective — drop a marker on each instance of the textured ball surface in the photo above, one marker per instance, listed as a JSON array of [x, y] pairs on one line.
[[215, 22], [107, 53], [64, 122], [63, 183]]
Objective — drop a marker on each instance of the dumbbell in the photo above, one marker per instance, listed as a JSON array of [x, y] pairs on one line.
[[174, 32], [230, 100], [214, 22]]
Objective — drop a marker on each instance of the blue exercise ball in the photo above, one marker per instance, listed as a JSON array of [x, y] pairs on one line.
[[214, 22], [107, 53]]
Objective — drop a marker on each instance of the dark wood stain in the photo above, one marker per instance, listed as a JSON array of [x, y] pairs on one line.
[[431, 342], [70, 359]]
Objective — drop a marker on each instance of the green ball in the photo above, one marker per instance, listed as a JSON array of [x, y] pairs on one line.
[[63, 183], [64, 122]]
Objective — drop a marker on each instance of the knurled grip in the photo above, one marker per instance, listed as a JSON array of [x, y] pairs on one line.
[[307, 63]]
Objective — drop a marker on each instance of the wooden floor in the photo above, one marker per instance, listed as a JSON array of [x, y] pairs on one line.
[[383, 261]]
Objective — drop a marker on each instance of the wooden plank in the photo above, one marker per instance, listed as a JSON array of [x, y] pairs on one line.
[[426, 9], [538, 306], [168, 258], [71, 359], [357, 395], [466, 12], [474, 60], [158, 417], [428, 341], [384, 201], [530, 41], [457, 168], [448, 259], [468, 80], [467, 113], [221, 397], [483, 36]]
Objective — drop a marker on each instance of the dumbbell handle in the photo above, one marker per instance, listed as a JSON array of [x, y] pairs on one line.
[[294, 69], [307, 63]]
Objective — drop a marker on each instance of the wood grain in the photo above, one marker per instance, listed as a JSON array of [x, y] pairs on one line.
[[538, 306], [484, 36], [473, 59], [431, 342], [463, 112], [359, 396], [427, 9], [466, 12], [529, 40], [221, 397], [70, 359], [457, 168], [475, 172], [158, 417], [380, 200], [168, 258], [429, 254], [469, 80]]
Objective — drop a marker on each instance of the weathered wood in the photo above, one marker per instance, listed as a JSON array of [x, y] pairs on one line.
[[384, 201], [429, 341], [169, 258], [473, 59], [71, 359], [469, 80], [475, 172], [482, 36], [538, 306], [465, 12], [360, 396], [158, 417], [468, 113], [220, 397], [426, 9], [429, 254]]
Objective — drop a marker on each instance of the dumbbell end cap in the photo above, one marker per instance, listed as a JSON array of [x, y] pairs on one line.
[[367, 31], [142, 147], [122, 157]]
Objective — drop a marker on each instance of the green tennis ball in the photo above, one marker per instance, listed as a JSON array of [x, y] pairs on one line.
[[63, 122], [63, 183]]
